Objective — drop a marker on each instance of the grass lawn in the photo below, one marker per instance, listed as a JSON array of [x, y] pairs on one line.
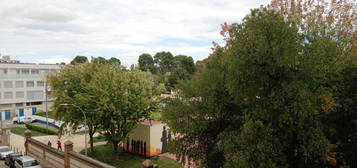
[[99, 138], [126, 160], [20, 131]]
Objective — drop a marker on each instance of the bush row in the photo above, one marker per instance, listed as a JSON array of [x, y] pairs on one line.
[[40, 129]]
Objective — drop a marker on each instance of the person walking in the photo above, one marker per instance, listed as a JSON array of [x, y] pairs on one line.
[[59, 146], [49, 143]]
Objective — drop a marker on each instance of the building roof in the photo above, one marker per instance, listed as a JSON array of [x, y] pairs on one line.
[[150, 122]]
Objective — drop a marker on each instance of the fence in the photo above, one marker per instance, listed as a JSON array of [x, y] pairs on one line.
[[53, 158]]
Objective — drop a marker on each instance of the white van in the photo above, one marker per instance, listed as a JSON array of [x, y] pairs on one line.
[[23, 119]]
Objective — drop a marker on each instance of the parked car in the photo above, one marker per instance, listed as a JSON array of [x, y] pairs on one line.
[[4, 151], [24, 119], [10, 159], [27, 161]]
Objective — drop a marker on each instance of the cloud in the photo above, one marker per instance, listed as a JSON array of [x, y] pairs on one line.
[[53, 60], [110, 28]]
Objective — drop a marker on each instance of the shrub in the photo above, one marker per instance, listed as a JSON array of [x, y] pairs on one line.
[[40, 129]]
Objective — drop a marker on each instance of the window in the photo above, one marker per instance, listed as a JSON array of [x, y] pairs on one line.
[[25, 71], [33, 103], [30, 83], [5, 149], [36, 103], [20, 94], [3, 71], [18, 71], [19, 84], [7, 84], [7, 95], [34, 95], [19, 104], [31, 163], [40, 83], [5, 105], [35, 71]]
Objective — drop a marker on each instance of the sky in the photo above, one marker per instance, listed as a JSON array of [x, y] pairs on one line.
[[48, 31]]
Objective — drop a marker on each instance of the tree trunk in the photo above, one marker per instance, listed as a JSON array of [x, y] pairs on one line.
[[91, 133], [115, 147], [91, 142]]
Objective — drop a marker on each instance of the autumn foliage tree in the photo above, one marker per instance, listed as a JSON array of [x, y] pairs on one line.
[[337, 18]]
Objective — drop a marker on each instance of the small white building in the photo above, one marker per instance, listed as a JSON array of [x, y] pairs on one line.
[[148, 139]]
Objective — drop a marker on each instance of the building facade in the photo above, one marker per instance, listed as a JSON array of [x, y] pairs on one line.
[[148, 139], [23, 87]]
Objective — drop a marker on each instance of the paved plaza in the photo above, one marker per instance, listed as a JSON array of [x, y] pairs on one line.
[[17, 142]]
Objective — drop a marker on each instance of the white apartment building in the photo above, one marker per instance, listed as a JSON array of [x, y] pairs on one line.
[[22, 87]]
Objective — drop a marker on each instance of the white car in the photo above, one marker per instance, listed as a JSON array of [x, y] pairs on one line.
[[28, 162], [4, 151], [24, 119]]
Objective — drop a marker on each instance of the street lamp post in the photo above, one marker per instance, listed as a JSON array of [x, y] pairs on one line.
[[46, 90], [85, 122]]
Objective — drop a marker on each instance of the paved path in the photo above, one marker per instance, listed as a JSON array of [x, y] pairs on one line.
[[17, 142]]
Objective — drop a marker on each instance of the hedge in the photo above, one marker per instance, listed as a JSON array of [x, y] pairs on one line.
[[40, 129]]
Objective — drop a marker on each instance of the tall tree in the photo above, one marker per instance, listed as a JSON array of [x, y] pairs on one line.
[[79, 60], [72, 86], [345, 118], [185, 62], [260, 100], [283, 79], [164, 61], [146, 63], [336, 19], [182, 69], [203, 111], [99, 60], [125, 99], [114, 61]]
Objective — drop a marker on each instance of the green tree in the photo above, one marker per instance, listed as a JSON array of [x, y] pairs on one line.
[[183, 68], [99, 60], [164, 61], [260, 100], [72, 86], [79, 60], [185, 62], [283, 79], [205, 109], [345, 117], [114, 61], [146, 63], [173, 78], [124, 99], [336, 19], [102, 60]]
